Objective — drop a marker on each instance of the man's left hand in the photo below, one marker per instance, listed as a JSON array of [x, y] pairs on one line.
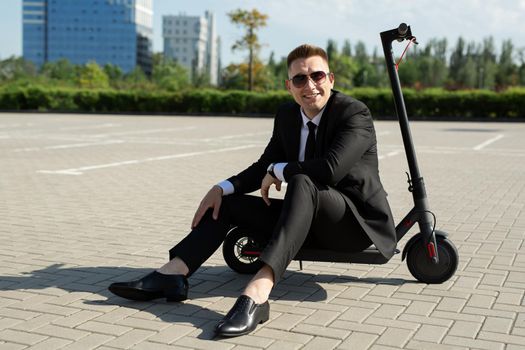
[[265, 187]]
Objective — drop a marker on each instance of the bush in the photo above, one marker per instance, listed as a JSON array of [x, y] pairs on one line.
[[430, 103]]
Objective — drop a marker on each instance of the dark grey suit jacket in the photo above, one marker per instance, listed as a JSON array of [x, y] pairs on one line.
[[345, 159]]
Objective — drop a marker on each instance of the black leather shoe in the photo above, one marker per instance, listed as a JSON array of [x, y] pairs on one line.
[[152, 286], [243, 317]]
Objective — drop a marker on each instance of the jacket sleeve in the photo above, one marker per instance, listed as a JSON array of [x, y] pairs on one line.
[[250, 179], [353, 136]]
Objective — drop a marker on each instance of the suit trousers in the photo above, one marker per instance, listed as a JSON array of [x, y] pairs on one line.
[[310, 215]]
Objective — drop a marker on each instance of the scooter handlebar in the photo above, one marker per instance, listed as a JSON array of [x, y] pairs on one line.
[[402, 32], [402, 29]]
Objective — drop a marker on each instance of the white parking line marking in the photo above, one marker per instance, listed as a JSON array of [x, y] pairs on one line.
[[229, 137], [80, 171], [100, 126], [390, 154], [488, 142], [3, 126], [140, 132], [72, 145]]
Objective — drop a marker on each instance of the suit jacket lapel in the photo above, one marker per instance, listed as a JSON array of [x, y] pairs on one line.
[[294, 133], [323, 127]]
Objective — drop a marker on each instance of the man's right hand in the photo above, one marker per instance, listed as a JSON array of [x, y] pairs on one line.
[[212, 199]]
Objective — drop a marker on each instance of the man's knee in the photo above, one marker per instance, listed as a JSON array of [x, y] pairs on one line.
[[303, 186], [301, 180]]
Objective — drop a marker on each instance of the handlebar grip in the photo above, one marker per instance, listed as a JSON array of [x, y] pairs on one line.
[[402, 29]]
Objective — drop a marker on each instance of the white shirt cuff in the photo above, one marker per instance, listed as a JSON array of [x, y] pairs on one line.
[[278, 170], [227, 187]]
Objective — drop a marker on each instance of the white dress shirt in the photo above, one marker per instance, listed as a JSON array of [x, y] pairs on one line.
[[278, 169]]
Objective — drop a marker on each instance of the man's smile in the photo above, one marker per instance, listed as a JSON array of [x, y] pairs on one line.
[[311, 95]]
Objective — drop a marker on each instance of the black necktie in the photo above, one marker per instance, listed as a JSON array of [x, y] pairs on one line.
[[310, 142]]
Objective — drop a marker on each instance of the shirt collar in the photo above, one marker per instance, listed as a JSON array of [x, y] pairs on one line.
[[316, 120]]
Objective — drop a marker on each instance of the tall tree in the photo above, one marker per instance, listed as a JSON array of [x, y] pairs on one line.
[[457, 61], [506, 74], [521, 69], [363, 66], [487, 64], [252, 21], [347, 48], [278, 71], [331, 49]]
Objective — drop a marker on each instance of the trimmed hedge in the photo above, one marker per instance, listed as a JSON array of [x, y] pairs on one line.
[[427, 103]]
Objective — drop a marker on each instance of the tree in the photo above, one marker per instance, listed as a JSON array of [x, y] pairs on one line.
[[487, 64], [468, 74], [463, 68], [92, 76], [506, 74], [201, 79], [136, 79], [521, 69], [235, 76], [344, 69], [62, 70], [252, 21], [169, 75], [457, 62], [15, 68], [331, 49], [113, 72], [278, 71], [347, 48], [363, 67]]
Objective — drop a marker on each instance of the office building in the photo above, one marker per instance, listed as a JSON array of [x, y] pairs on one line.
[[193, 43], [118, 32]]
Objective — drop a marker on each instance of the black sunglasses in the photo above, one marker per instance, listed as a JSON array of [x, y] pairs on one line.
[[300, 80]]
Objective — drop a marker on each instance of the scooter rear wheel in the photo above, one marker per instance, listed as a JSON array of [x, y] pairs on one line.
[[241, 250], [424, 270]]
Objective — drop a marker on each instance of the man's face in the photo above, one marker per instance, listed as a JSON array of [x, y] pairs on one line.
[[313, 96]]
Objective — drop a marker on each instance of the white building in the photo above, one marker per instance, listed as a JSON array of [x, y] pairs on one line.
[[192, 42]]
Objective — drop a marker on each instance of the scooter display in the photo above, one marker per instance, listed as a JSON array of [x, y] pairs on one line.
[[431, 257]]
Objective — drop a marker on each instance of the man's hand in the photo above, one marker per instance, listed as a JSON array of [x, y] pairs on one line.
[[265, 186], [212, 199]]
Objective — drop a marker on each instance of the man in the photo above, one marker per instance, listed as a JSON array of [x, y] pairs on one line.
[[324, 147]]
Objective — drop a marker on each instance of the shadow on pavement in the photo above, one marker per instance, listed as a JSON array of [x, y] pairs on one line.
[[207, 286]]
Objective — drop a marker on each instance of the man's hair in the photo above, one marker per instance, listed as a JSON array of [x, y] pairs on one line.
[[305, 51]]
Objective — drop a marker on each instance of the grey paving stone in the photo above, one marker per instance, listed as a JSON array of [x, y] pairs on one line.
[[65, 238], [358, 341]]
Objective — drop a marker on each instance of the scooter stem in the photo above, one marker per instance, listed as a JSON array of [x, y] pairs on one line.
[[417, 185]]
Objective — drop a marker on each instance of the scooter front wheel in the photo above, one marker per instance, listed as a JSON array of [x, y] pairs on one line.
[[424, 270], [241, 250]]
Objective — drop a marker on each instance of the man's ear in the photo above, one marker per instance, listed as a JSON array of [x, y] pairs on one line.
[[332, 79], [287, 84]]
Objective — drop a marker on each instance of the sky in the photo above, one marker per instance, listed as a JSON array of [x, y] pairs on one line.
[[294, 22]]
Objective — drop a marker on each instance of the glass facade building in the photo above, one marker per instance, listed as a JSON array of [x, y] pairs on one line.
[[118, 32]]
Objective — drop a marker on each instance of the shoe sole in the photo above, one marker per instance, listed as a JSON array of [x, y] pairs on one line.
[[134, 294], [230, 335], [143, 295]]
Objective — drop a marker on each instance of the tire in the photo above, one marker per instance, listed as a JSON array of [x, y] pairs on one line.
[[236, 242], [424, 270]]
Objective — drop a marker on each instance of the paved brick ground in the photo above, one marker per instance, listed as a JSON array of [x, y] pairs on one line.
[[89, 200]]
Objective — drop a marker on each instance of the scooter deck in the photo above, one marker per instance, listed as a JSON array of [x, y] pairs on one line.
[[368, 256]]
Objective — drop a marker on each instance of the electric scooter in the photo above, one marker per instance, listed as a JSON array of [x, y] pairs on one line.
[[431, 256]]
